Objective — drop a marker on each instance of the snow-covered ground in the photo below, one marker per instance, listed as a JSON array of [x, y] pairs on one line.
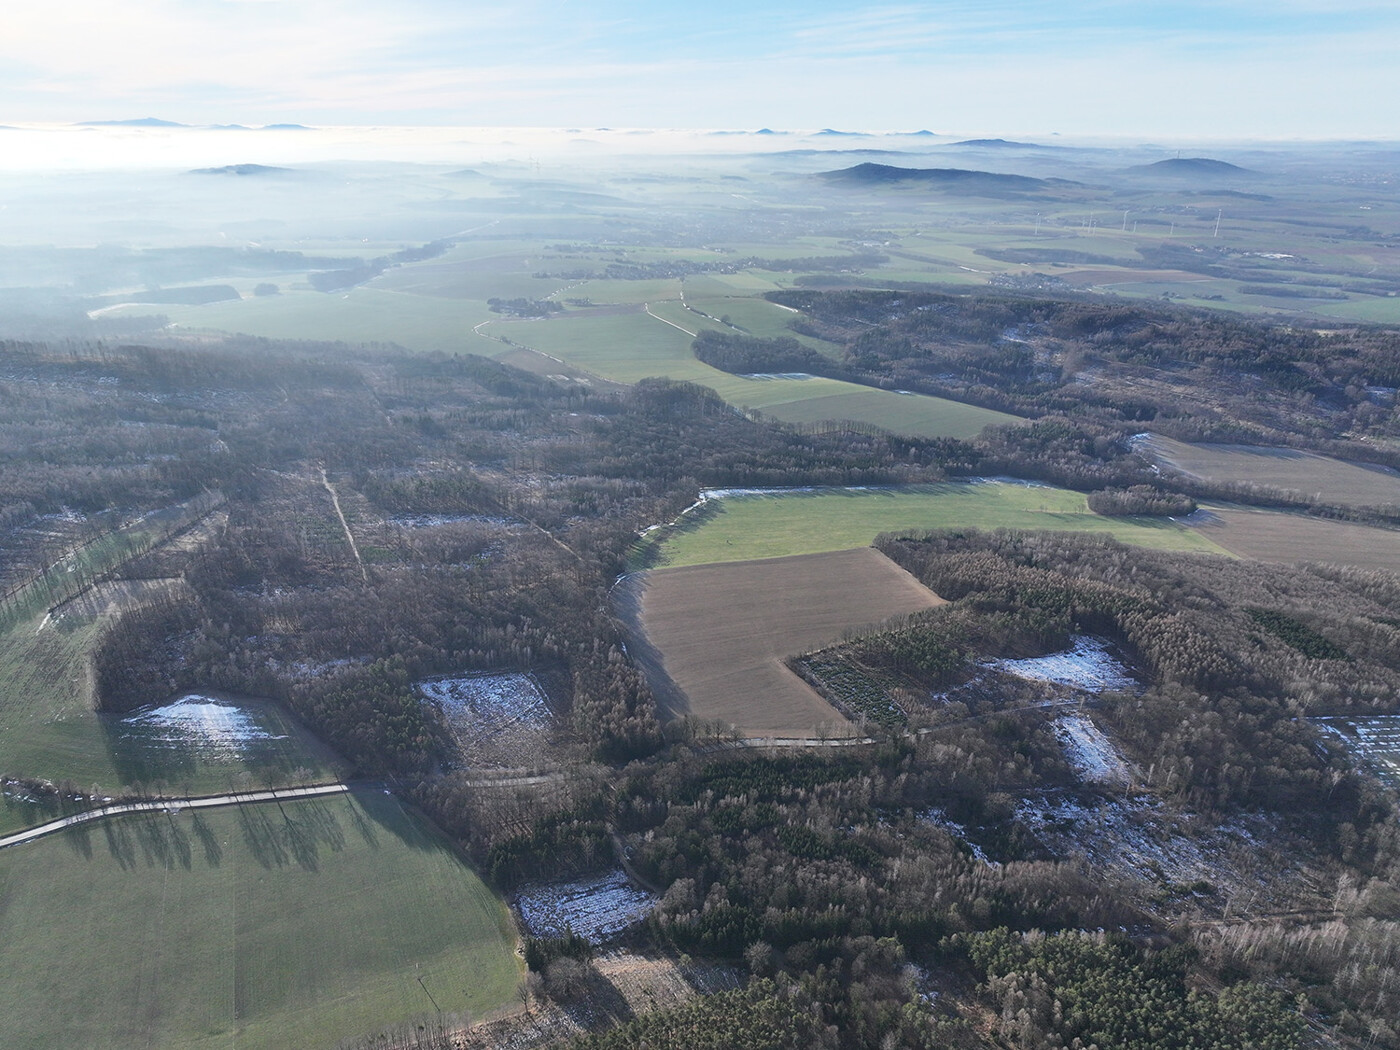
[[1088, 664], [203, 722], [939, 818], [1244, 858], [1092, 754], [597, 909], [432, 521], [488, 702], [1376, 738], [499, 720]]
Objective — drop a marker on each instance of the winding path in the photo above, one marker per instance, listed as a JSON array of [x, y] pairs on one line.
[[172, 805]]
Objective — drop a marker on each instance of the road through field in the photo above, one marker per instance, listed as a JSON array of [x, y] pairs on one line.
[[172, 805]]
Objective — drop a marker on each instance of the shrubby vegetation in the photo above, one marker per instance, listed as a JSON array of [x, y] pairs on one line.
[[1077, 989], [1141, 499]]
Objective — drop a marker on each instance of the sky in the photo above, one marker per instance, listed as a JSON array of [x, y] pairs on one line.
[[1147, 70]]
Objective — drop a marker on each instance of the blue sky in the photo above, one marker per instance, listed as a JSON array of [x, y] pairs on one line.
[[1234, 68]]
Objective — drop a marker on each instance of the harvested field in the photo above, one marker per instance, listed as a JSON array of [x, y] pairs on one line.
[[714, 637], [1280, 537], [1304, 473]]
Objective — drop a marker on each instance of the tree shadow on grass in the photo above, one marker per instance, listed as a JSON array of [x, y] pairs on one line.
[[79, 839], [213, 852], [282, 837], [153, 840], [363, 826]]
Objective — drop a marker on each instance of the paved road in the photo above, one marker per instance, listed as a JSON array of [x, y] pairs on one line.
[[172, 805]]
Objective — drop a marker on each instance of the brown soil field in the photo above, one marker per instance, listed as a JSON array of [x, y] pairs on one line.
[[713, 638], [1306, 473], [1270, 535]]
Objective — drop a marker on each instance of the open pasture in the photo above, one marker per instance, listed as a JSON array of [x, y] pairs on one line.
[[716, 636], [775, 524], [627, 347], [291, 926], [914, 414], [1307, 474], [1283, 537], [360, 315]]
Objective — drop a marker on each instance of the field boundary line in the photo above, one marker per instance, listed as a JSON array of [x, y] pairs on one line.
[[687, 331], [172, 806], [349, 536]]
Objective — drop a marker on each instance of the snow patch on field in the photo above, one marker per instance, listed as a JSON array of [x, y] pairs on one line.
[[200, 721], [596, 909], [1088, 664], [1092, 754]]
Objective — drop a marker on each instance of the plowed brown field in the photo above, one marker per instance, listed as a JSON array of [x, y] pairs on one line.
[[1305, 473], [714, 637], [1276, 536]]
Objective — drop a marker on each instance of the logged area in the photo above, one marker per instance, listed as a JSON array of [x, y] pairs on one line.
[[722, 632]]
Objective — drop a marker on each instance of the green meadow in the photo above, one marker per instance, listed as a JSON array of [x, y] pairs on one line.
[[747, 527], [285, 927]]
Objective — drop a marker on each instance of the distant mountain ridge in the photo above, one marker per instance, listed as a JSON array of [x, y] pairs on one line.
[[1002, 144], [139, 122], [241, 169]]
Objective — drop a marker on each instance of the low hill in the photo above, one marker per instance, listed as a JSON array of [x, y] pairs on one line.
[[1191, 167], [982, 183]]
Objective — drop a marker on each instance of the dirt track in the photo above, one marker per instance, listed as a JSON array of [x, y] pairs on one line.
[[714, 637]]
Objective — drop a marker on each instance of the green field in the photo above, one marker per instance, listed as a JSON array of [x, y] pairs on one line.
[[49, 730], [747, 527], [363, 315], [261, 926], [633, 346], [911, 414]]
